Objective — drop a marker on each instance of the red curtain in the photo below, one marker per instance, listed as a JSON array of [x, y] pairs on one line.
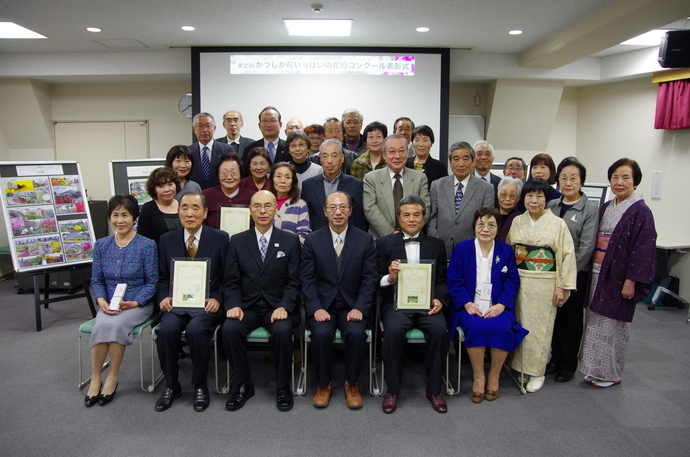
[[673, 105]]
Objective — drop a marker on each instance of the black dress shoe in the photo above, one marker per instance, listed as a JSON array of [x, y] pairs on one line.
[[284, 400], [201, 400], [166, 400], [90, 401], [105, 399], [551, 368], [240, 397], [564, 376]]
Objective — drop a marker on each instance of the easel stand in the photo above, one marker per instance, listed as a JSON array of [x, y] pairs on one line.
[[46, 290]]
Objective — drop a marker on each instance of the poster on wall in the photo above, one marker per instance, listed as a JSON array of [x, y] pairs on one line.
[[130, 176], [46, 214]]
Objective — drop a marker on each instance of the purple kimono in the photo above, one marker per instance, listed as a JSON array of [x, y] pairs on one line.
[[631, 254]]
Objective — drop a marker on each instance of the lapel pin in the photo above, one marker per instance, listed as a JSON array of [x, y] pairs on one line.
[[498, 259]]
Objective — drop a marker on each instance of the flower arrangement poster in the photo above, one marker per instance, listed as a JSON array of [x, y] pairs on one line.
[[47, 215]]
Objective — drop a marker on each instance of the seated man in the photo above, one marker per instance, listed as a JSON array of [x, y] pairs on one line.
[[261, 288], [196, 242], [412, 245], [338, 284]]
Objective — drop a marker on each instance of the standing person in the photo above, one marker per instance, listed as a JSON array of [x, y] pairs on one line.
[[372, 158], [229, 192], [412, 245], [404, 126], [483, 161], [352, 121], [515, 167], [206, 151], [160, 215], [270, 123], [545, 258], [509, 190], [233, 123], [317, 135], [259, 165], [421, 160], [261, 289], [623, 269], [291, 212], [299, 144], [474, 264], [333, 130], [128, 258], [198, 243], [580, 215], [181, 160], [338, 283]]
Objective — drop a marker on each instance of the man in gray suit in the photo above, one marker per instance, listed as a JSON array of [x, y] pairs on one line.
[[455, 198], [233, 123], [384, 188]]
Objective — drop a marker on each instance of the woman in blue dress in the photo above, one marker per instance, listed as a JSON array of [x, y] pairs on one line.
[[483, 281], [128, 258]]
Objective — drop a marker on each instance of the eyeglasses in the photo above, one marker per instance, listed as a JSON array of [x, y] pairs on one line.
[[514, 168], [334, 208], [204, 126], [352, 121], [259, 206], [482, 226], [225, 174]]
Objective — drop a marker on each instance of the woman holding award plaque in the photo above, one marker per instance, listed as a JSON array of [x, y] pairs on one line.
[[126, 261], [483, 281], [545, 257]]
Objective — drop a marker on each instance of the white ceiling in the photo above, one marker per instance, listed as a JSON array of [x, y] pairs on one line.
[[137, 25]]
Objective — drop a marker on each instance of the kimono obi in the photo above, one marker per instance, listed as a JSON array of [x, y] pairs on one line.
[[534, 258], [603, 239]]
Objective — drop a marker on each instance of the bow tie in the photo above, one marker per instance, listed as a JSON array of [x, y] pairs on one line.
[[411, 240]]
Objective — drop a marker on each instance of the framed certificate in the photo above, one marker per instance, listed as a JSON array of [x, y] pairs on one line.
[[191, 281], [234, 219], [414, 289]]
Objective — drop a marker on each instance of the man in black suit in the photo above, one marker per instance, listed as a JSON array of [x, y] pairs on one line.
[[353, 121], [233, 123], [482, 163], [206, 151], [412, 245], [338, 284], [269, 123], [261, 290], [317, 188], [196, 242]]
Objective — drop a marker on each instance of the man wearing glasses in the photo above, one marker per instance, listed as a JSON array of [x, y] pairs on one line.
[[261, 288], [270, 123], [338, 283], [352, 125], [515, 168]]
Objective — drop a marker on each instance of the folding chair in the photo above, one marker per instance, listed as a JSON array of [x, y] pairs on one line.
[[259, 335], [302, 381], [87, 327]]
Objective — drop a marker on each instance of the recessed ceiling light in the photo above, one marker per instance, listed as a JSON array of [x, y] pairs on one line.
[[422, 29], [12, 30], [651, 38], [188, 28], [515, 32], [318, 27], [93, 29]]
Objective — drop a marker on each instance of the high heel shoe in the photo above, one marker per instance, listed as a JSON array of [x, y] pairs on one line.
[[90, 401], [105, 399]]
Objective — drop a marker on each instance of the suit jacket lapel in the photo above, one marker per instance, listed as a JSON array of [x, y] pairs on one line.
[[253, 247], [346, 252], [408, 182], [398, 248], [327, 247], [467, 195], [273, 248], [387, 191]]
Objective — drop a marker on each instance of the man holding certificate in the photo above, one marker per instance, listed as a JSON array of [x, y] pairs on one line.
[[402, 258], [338, 284], [191, 263], [261, 290]]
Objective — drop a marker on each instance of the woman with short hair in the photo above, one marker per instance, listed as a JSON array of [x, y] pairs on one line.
[[160, 216]]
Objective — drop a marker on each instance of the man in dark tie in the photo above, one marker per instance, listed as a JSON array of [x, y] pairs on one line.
[[233, 123], [412, 245], [206, 151], [261, 290], [269, 123], [338, 284], [199, 243]]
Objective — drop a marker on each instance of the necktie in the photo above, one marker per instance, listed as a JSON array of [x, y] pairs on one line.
[[458, 198], [338, 245], [236, 147], [272, 152], [191, 249], [263, 247], [397, 189], [411, 240], [205, 163]]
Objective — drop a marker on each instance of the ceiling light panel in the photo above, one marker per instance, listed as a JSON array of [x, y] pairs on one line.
[[318, 27]]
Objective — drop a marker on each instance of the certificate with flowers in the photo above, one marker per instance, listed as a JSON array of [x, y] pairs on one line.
[[415, 286], [190, 282]]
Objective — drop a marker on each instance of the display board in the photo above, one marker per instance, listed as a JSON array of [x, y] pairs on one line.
[[129, 177], [46, 214]]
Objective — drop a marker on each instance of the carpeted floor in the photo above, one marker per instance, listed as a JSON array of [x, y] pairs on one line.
[[42, 411]]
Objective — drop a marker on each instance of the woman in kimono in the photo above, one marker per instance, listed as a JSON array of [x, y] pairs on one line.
[[623, 269], [545, 257]]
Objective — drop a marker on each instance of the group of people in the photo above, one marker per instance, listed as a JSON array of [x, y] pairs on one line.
[[533, 270]]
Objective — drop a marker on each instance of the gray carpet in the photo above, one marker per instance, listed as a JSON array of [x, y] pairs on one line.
[[42, 411]]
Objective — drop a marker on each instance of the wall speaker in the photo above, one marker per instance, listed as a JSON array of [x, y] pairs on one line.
[[674, 51]]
